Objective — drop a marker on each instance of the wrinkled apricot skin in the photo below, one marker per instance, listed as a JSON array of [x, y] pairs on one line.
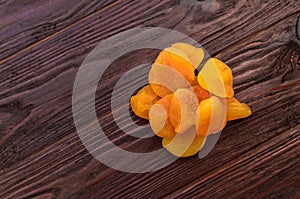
[[216, 77], [182, 109], [142, 102], [210, 116], [236, 110], [160, 90], [184, 145], [159, 118], [146, 94]]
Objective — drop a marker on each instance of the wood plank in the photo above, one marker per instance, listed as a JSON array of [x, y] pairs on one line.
[[37, 85], [259, 173], [35, 21], [39, 140]]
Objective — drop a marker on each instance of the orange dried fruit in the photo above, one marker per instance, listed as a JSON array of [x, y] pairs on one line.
[[210, 116], [184, 145], [159, 118], [164, 80], [201, 93], [160, 90], [177, 62], [192, 107], [146, 94], [179, 53], [182, 109], [195, 82], [216, 77], [142, 102], [194, 54], [236, 110]]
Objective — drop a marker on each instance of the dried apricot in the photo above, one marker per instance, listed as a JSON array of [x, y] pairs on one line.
[[194, 54], [159, 118], [236, 110], [195, 82], [201, 93], [184, 145], [182, 110], [216, 77], [178, 63], [179, 53], [142, 102], [210, 116], [165, 80]]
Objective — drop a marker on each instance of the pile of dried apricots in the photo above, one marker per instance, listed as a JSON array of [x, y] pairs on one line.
[[176, 101]]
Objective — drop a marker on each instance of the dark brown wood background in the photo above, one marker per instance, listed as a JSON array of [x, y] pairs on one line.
[[44, 42]]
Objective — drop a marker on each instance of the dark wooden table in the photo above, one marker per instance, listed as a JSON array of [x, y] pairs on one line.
[[44, 42]]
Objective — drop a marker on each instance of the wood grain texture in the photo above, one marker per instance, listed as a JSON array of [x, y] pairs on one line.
[[38, 20], [41, 153], [276, 159]]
